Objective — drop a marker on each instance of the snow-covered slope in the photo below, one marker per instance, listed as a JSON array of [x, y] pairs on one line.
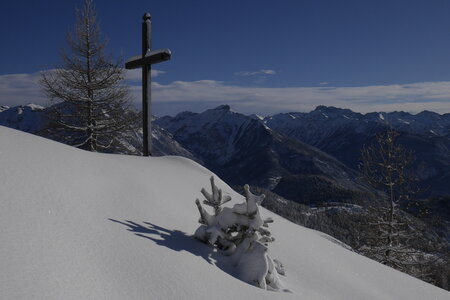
[[80, 225]]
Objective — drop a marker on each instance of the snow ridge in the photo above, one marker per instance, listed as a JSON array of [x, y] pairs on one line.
[[82, 225]]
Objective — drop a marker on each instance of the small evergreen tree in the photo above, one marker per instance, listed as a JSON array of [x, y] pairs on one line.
[[240, 232], [92, 100]]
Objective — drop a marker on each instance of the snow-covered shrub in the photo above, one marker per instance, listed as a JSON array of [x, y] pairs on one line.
[[240, 232]]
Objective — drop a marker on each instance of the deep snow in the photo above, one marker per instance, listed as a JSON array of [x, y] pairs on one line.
[[81, 225]]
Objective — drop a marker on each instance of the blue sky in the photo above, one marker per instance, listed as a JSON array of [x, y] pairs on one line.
[[259, 56]]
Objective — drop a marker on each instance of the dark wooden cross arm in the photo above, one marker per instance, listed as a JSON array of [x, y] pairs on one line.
[[150, 58]]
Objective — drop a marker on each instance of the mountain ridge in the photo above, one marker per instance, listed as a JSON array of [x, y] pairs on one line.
[[242, 149], [342, 134]]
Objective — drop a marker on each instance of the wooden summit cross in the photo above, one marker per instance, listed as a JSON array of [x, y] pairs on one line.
[[145, 61]]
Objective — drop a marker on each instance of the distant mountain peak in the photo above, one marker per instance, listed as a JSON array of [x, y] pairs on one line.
[[33, 106], [223, 107], [323, 107], [332, 109], [256, 117], [184, 114], [428, 114], [399, 113], [327, 108]]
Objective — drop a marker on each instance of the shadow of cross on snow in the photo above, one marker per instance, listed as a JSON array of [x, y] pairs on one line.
[[173, 239], [177, 240]]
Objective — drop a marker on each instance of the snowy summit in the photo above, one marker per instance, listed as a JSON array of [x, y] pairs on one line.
[[82, 225]]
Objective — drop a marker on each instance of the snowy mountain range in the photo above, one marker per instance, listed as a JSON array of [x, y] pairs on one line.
[[28, 118], [243, 150], [342, 133], [31, 118], [82, 225], [291, 153], [324, 120]]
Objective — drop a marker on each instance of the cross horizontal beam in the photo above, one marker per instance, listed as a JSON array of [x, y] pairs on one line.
[[150, 58]]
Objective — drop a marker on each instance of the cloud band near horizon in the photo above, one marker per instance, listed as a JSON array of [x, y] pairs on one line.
[[18, 89]]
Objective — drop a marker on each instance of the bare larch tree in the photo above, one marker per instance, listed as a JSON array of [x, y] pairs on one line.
[[393, 238], [88, 89]]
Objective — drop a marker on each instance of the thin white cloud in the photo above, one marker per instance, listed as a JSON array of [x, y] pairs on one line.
[[136, 74], [16, 89], [324, 83], [200, 95], [254, 73]]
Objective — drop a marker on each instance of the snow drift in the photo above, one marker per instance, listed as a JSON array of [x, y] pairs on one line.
[[80, 225]]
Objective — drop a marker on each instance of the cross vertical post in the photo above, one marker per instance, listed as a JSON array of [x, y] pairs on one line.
[[146, 86], [145, 61]]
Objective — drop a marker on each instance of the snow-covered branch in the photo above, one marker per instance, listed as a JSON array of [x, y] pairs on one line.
[[241, 233]]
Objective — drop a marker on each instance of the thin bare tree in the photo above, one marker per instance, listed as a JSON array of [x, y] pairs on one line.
[[88, 90], [394, 237]]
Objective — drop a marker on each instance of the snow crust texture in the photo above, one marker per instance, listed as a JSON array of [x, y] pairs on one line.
[[80, 225]]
